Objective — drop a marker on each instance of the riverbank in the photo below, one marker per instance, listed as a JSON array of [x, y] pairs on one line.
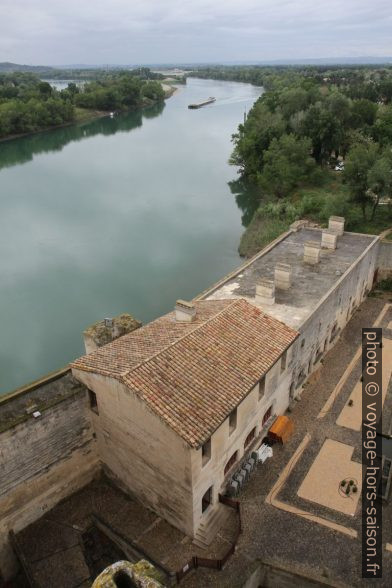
[[315, 204], [83, 115]]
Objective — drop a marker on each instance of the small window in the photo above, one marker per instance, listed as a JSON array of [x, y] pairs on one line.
[[250, 437], [302, 343], [283, 362], [206, 500], [266, 416], [232, 421], [206, 452], [231, 462], [261, 387], [318, 355], [334, 332], [93, 401], [301, 378]]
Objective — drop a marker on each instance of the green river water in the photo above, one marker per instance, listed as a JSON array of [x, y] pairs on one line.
[[115, 215]]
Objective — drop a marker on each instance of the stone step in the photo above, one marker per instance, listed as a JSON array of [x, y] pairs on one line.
[[210, 527], [200, 543]]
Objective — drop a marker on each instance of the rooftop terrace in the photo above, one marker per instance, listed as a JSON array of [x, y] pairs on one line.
[[310, 283]]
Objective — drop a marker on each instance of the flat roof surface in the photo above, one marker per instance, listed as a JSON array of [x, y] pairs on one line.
[[310, 283]]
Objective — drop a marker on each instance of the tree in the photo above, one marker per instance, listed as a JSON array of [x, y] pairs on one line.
[[153, 90], [254, 137], [359, 162], [382, 130], [363, 112], [380, 179], [73, 89], [287, 162], [293, 100], [325, 131], [45, 89]]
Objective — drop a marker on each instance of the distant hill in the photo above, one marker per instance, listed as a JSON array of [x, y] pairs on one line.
[[6, 67]]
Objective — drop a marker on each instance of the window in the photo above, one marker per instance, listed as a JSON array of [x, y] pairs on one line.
[[302, 343], [261, 387], [283, 362], [301, 378], [206, 500], [266, 416], [231, 462], [334, 332], [93, 401], [232, 421], [250, 437], [206, 452]]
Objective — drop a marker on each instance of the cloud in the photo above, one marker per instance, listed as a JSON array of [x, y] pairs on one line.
[[145, 31]]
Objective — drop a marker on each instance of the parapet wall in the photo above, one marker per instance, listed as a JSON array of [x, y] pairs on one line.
[[43, 459], [384, 260]]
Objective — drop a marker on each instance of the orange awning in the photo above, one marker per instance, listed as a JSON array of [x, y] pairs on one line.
[[281, 429]]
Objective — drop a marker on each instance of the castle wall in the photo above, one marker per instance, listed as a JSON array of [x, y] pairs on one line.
[[140, 452], [42, 460]]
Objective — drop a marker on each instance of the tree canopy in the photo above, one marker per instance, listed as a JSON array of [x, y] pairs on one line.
[[28, 104]]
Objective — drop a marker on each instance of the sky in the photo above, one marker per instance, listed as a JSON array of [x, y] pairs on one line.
[[59, 32]]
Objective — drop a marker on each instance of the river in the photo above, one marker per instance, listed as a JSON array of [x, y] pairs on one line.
[[115, 215]]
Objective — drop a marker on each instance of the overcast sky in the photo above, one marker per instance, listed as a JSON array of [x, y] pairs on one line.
[[162, 31]]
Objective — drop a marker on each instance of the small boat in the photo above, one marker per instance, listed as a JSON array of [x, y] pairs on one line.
[[210, 100], [111, 114]]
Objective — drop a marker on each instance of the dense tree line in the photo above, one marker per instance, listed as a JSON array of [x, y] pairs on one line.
[[304, 124], [28, 104], [119, 92], [370, 82]]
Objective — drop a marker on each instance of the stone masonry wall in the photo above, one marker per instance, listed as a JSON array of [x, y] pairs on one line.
[[42, 460]]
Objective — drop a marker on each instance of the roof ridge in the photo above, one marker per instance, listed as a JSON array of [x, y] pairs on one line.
[[233, 303]]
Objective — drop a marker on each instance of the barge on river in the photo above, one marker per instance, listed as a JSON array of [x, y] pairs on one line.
[[210, 100]]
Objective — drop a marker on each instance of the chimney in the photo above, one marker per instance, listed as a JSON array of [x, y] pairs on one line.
[[108, 330], [336, 224], [329, 239], [298, 225], [282, 276], [312, 252], [265, 292], [185, 312]]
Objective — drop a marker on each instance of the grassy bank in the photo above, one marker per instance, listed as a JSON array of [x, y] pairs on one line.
[[84, 114], [314, 203]]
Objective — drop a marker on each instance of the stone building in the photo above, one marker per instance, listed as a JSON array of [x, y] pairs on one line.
[[169, 409], [178, 403]]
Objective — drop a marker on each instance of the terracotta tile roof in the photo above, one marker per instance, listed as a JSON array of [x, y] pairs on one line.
[[192, 375]]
